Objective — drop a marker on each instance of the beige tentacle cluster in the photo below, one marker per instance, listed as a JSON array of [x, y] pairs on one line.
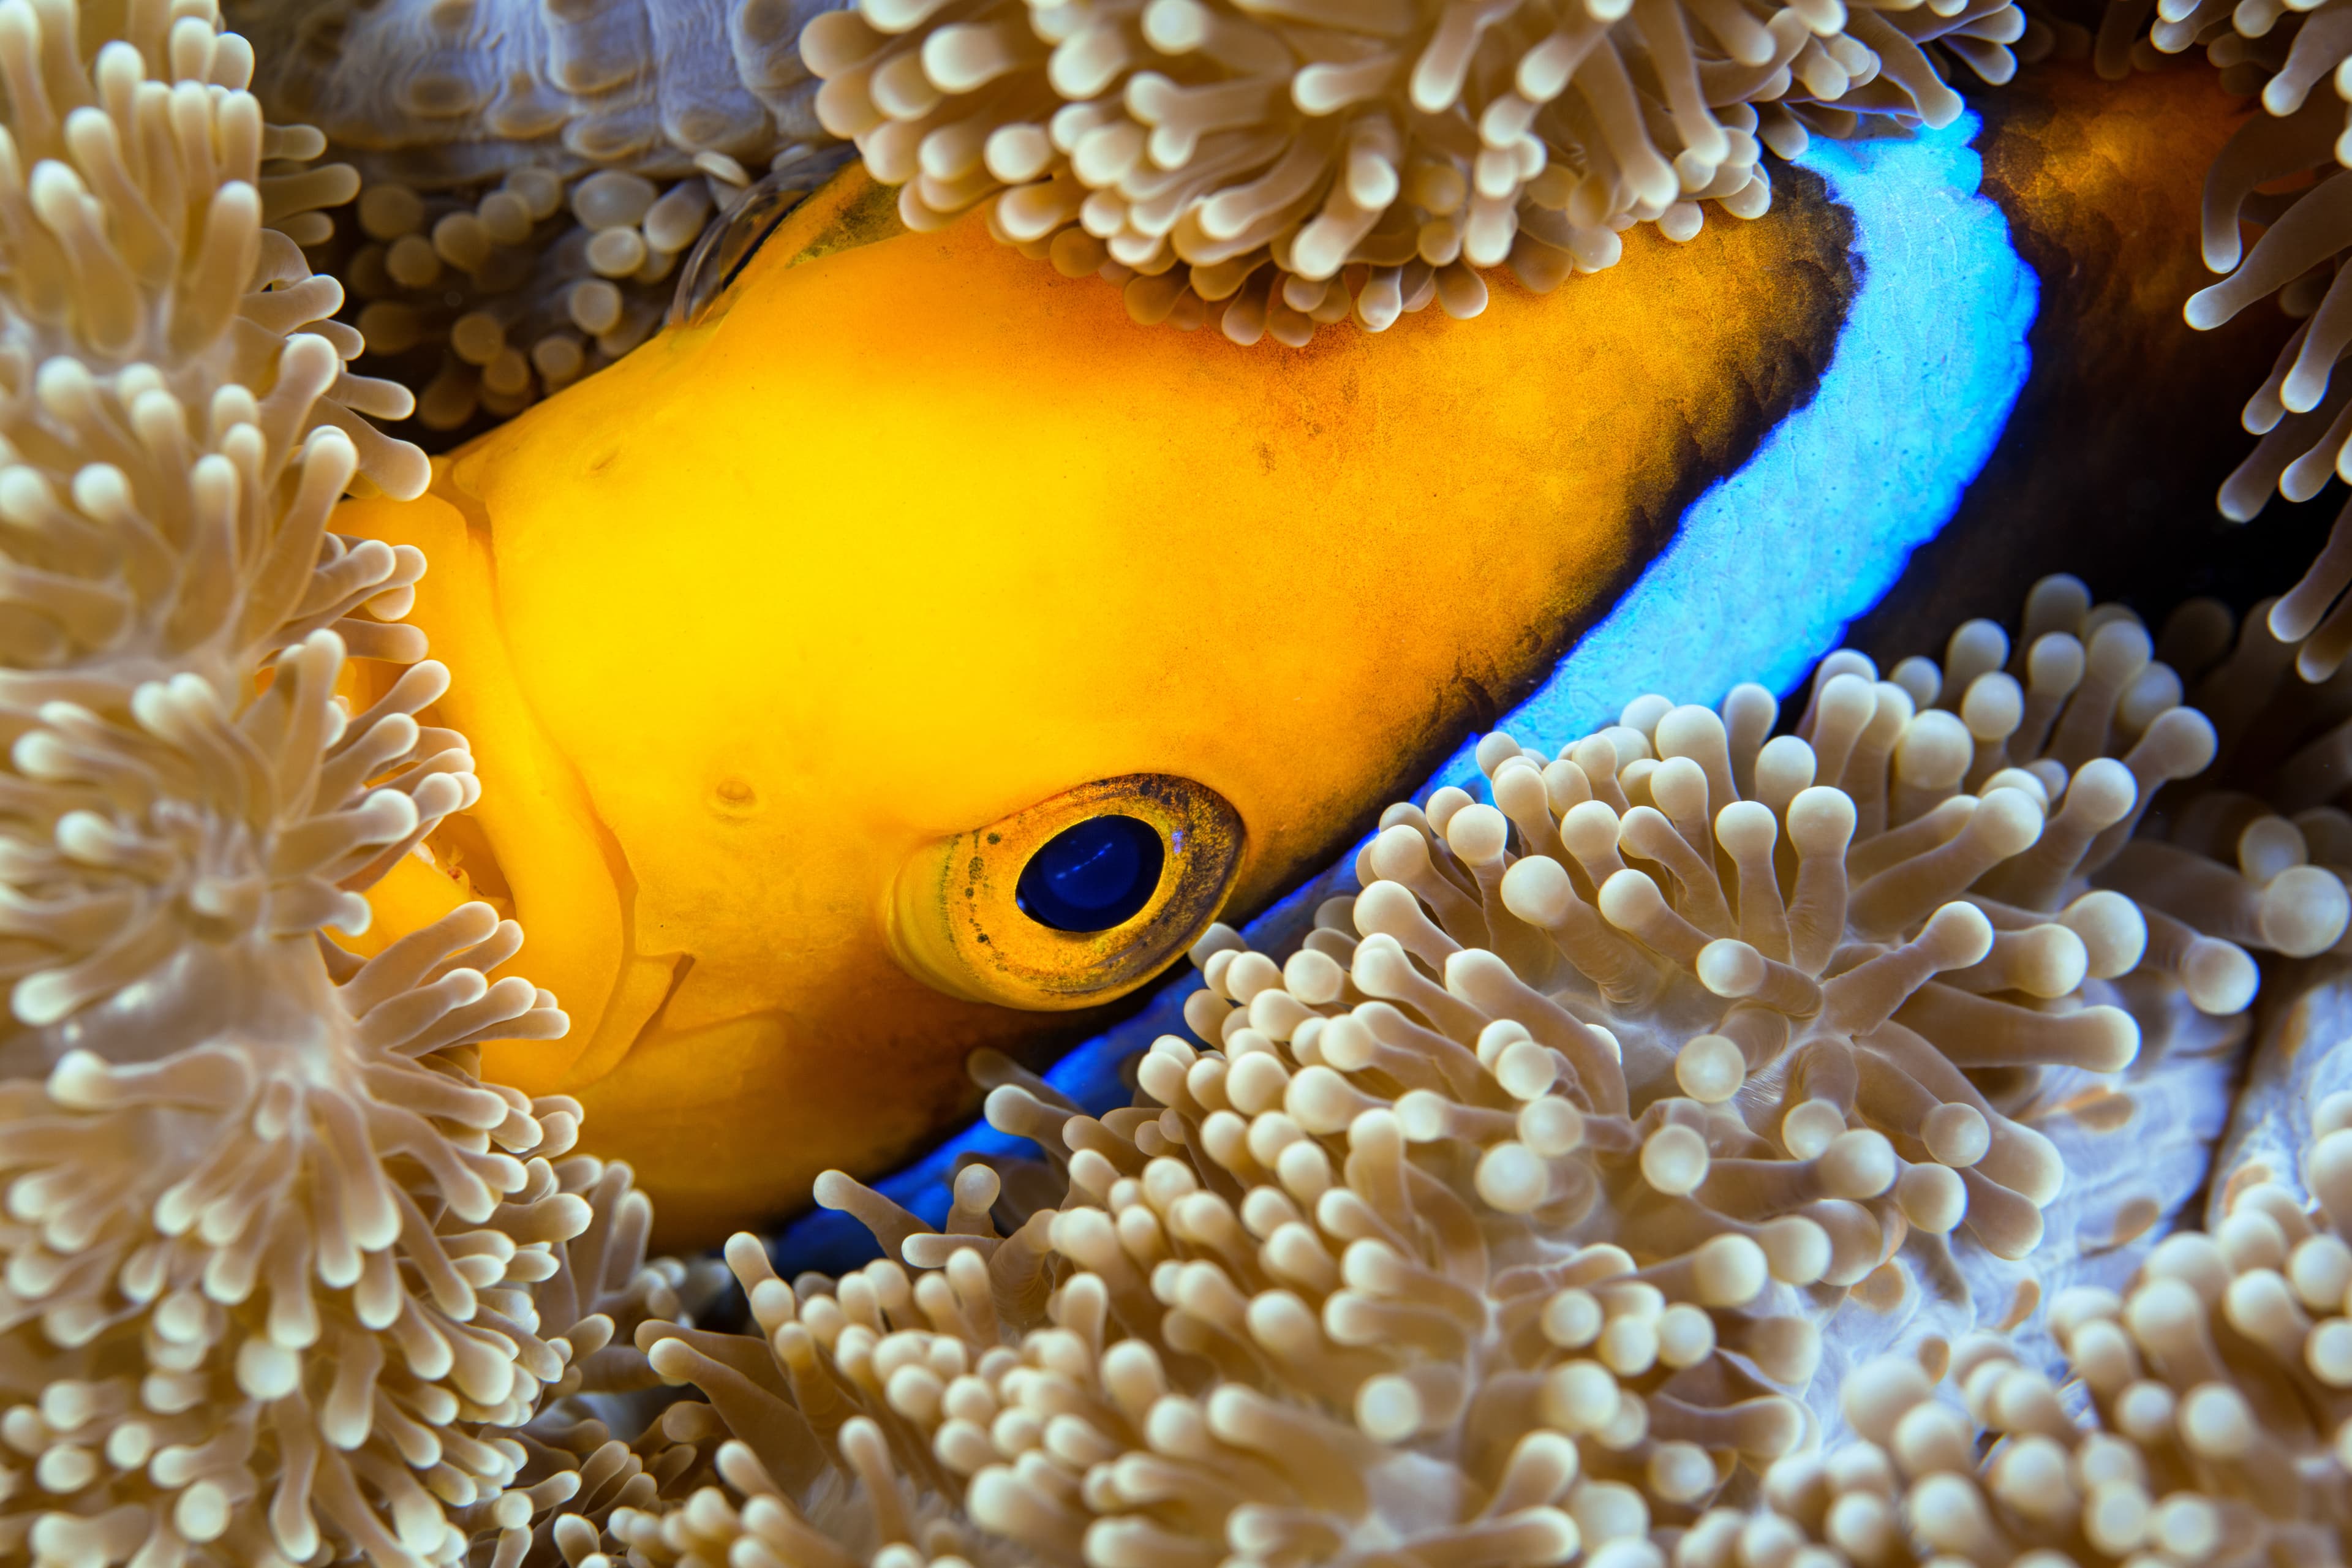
[[2272, 809], [2213, 1421], [1496, 1223], [2226, 871], [144, 213], [472, 92], [1276, 166], [2218, 1430], [276, 1270], [488, 297], [2308, 630], [2282, 171], [497, 295], [534, 173], [2303, 411], [572, 1465], [2213, 1436]]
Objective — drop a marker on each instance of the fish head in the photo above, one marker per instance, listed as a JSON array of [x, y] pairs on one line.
[[912, 655]]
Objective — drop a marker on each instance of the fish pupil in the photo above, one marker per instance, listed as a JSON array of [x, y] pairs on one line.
[[1091, 876]]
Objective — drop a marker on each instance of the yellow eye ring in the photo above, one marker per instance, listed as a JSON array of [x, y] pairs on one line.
[[958, 920]]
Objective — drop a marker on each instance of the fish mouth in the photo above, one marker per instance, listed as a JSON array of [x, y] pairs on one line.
[[612, 994]]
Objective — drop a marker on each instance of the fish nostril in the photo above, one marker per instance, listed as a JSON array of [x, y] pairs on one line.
[[1093, 875], [733, 797]]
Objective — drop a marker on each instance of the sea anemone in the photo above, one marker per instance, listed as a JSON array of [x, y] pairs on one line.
[[2199, 1445], [1282, 167], [2280, 172], [533, 178], [601, 1290], [1500, 1219], [2206, 1411], [2214, 1422], [277, 1271], [2301, 410]]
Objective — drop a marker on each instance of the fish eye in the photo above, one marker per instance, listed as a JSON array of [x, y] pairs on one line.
[[1075, 901], [730, 240], [1092, 876]]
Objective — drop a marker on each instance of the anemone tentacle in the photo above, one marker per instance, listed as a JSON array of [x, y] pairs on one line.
[[533, 176], [2196, 1411], [278, 1272], [1279, 168]]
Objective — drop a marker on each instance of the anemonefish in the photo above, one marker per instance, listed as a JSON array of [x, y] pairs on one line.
[[912, 655]]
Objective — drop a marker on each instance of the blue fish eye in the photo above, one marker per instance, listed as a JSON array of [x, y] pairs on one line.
[[1091, 876]]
